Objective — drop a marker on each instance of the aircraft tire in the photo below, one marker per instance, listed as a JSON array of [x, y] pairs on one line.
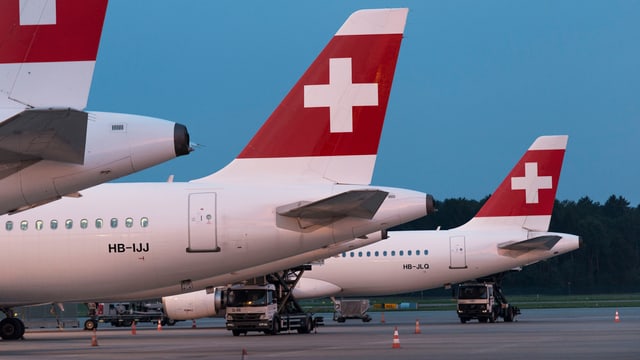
[[11, 329]]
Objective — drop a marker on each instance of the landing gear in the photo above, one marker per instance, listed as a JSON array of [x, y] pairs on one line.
[[11, 328]]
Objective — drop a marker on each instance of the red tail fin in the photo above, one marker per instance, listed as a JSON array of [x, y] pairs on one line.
[[49, 48], [338, 105], [337, 108], [527, 194]]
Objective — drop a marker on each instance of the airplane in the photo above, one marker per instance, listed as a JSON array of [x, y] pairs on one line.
[[509, 231], [49, 146], [300, 184]]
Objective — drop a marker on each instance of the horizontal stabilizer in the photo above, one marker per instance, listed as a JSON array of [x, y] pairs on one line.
[[355, 203], [57, 135], [546, 242]]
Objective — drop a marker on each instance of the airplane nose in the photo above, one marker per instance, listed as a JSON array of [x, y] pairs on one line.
[[181, 140]]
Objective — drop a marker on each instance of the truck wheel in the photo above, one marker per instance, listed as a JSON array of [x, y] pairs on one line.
[[492, 317], [276, 326], [90, 324], [235, 332], [306, 326], [508, 317], [463, 320], [482, 319], [170, 322]]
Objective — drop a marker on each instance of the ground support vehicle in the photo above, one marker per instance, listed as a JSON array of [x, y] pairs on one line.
[[484, 301], [351, 309], [267, 305], [124, 314]]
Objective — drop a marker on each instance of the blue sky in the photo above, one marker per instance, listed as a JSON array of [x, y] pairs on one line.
[[476, 83]]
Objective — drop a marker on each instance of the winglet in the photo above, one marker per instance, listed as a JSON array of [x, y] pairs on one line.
[[49, 49], [526, 196], [328, 126]]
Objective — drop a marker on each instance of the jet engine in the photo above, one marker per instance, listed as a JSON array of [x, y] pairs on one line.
[[195, 305]]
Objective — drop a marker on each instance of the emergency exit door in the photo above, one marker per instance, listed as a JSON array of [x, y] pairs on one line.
[[458, 253], [202, 223]]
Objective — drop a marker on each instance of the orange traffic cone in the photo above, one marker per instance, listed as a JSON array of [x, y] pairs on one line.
[[417, 326], [94, 338], [617, 317], [382, 317], [133, 328], [193, 323], [396, 339], [244, 354], [159, 326]]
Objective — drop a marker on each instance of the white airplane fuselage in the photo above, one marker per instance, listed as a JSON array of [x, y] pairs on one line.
[[418, 260], [166, 242]]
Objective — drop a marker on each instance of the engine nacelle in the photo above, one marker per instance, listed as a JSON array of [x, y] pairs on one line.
[[195, 305], [47, 154]]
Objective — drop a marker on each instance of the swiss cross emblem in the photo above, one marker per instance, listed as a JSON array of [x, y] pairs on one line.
[[531, 183], [340, 95], [37, 12]]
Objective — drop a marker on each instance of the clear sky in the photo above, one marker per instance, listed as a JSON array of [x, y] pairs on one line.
[[476, 83]]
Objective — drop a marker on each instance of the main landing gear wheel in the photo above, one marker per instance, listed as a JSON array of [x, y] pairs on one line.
[[11, 329]]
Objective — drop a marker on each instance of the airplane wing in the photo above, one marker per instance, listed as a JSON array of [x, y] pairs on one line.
[[355, 203], [546, 242], [35, 135]]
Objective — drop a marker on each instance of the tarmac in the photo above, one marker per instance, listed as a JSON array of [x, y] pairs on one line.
[[541, 334]]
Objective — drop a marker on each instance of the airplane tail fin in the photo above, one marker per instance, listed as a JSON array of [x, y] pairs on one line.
[[48, 50], [526, 196], [328, 127]]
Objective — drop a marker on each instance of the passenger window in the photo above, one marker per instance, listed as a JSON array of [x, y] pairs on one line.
[[359, 253], [393, 253], [418, 252], [114, 223], [352, 254], [24, 225], [368, 253], [408, 252], [128, 222], [376, 253], [39, 224], [384, 253], [144, 222], [8, 225], [84, 223], [99, 223], [53, 224], [68, 224], [426, 252]]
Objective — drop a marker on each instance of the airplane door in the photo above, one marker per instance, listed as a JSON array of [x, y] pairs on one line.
[[458, 254], [202, 223]]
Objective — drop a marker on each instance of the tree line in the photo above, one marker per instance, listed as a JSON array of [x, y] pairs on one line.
[[607, 262]]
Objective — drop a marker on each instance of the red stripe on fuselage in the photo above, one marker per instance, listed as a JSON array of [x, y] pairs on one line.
[[74, 37]]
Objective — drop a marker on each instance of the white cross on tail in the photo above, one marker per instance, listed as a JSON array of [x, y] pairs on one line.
[[531, 183], [340, 95], [37, 12]]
